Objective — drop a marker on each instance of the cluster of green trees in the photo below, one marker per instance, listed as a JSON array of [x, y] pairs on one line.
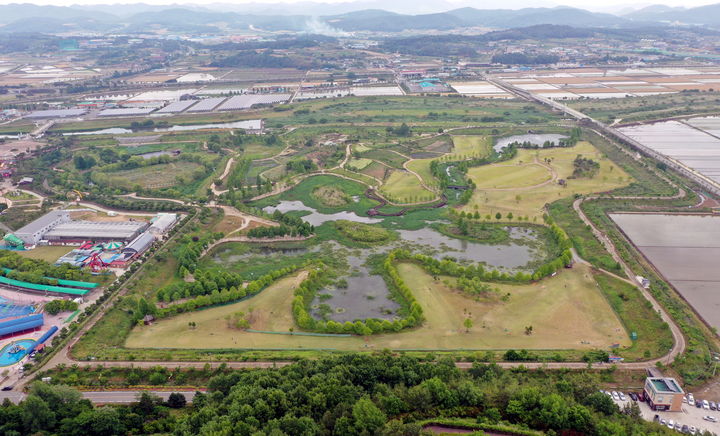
[[301, 166], [289, 225], [585, 167], [147, 124], [37, 270], [207, 292], [192, 250], [380, 395], [266, 59], [126, 204], [53, 307], [61, 410]]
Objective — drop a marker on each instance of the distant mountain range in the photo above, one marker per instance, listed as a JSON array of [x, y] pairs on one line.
[[314, 17]]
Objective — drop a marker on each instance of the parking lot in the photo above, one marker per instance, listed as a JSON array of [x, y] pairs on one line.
[[690, 415]]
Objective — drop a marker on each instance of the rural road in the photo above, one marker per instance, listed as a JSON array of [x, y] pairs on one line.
[[103, 397]]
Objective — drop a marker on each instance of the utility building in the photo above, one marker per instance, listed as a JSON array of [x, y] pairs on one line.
[[664, 393], [32, 233]]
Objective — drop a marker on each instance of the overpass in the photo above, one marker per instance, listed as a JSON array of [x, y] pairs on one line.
[[705, 182]]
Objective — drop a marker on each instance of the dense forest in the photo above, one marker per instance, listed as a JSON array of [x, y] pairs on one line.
[[343, 396]]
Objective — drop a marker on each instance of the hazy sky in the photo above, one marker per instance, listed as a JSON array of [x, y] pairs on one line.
[[586, 4]]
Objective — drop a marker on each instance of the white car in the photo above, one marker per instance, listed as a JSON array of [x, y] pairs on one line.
[[710, 418], [685, 400], [671, 424], [691, 399], [706, 405], [622, 397], [615, 396], [693, 430]]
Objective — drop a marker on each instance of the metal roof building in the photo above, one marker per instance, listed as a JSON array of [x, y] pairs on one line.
[[97, 230], [32, 233], [56, 113], [163, 224], [124, 112], [139, 245]]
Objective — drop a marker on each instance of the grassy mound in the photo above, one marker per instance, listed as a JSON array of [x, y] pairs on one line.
[[361, 232], [330, 196]]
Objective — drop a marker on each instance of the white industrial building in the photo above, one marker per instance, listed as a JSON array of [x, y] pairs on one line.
[[32, 233], [163, 224]]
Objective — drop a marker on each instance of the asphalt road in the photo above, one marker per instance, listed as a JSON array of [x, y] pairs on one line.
[[102, 397]]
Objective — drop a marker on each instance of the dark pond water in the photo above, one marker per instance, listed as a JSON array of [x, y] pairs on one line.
[[514, 255], [248, 124], [316, 218], [533, 138], [365, 297], [221, 256]]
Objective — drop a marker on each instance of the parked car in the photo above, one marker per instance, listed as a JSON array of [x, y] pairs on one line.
[[663, 422], [710, 418], [706, 405], [641, 396], [693, 431], [691, 399], [622, 396], [713, 406], [698, 404], [678, 426], [615, 396], [671, 424], [684, 399], [656, 418], [633, 396], [684, 429], [7, 388]]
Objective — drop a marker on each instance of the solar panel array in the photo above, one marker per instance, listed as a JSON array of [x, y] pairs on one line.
[[176, 107], [123, 112], [246, 101], [57, 113], [207, 104]]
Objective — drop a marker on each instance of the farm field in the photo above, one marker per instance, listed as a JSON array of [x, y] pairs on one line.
[[153, 176], [508, 176], [564, 311], [533, 199], [375, 169]]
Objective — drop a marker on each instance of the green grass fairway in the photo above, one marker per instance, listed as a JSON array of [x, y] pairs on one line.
[[422, 167], [471, 146], [50, 253], [508, 176], [564, 311], [404, 186], [534, 199]]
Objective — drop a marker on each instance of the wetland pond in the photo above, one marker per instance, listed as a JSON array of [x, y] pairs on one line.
[[533, 138], [367, 295], [247, 124]]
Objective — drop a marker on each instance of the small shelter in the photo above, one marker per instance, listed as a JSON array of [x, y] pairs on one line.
[[148, 319]]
